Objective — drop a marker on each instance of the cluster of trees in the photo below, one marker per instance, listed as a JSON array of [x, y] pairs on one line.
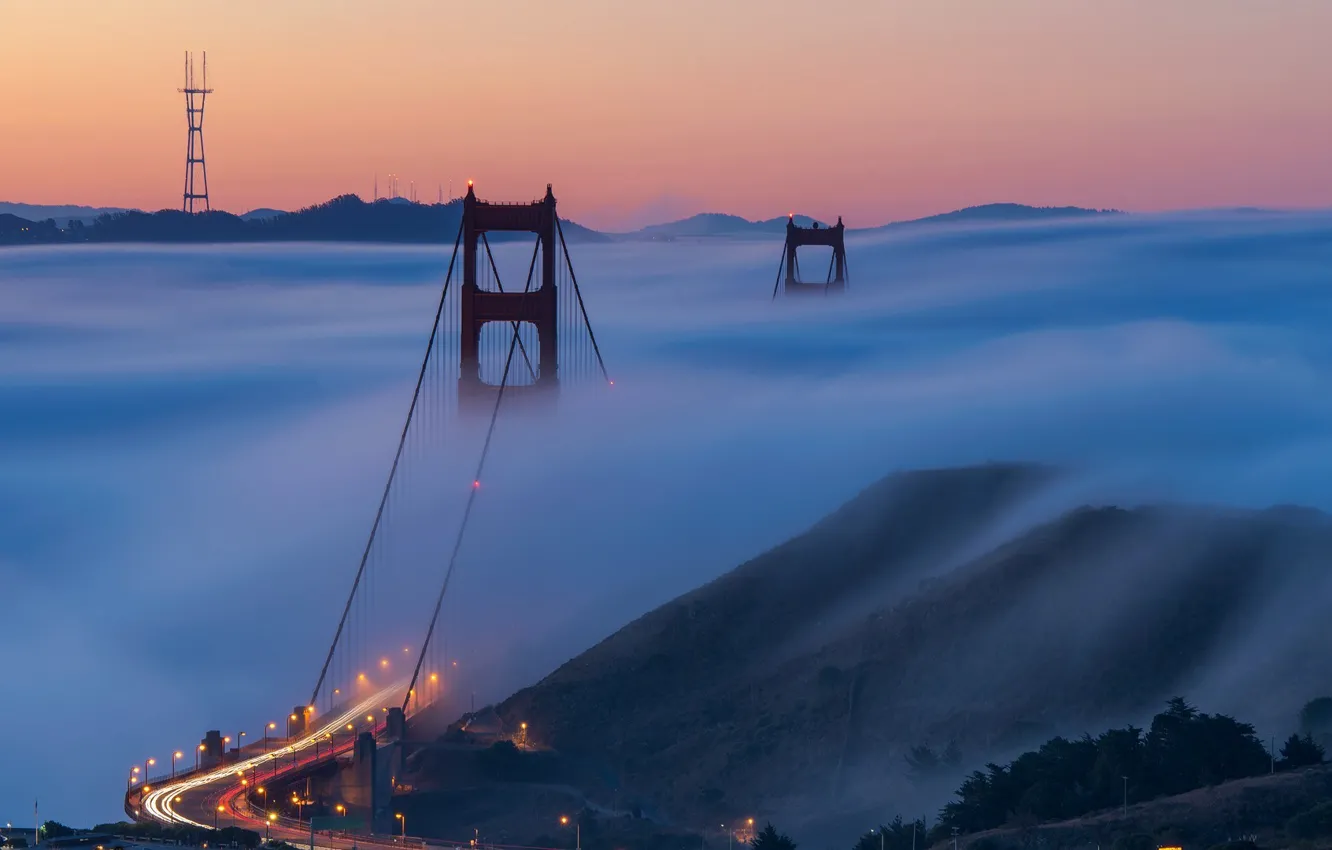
[[345, 218], [1183, 749]]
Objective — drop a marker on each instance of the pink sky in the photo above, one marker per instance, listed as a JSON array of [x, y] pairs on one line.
[[638, 111]]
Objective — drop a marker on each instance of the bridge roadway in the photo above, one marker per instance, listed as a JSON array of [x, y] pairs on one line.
[[217, 797]]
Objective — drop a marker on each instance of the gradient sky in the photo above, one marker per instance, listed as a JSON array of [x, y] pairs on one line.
[[872, 109]]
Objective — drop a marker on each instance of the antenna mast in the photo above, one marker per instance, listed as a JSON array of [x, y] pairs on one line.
[[195, 167]]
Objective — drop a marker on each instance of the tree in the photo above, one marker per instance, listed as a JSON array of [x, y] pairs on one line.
[[1300, 752], [922, 761], [770, 839], [54, 829], [1316, 716], [1316, 721], [1184, 749]]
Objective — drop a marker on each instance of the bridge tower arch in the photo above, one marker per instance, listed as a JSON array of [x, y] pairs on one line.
[[791, 283]]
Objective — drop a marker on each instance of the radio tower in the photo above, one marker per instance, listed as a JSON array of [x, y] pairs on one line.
[[194, 151]]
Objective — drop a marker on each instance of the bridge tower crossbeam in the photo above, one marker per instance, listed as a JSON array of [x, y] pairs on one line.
[[798, 237]]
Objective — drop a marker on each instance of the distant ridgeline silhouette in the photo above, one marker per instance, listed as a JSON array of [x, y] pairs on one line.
[[346, 218]]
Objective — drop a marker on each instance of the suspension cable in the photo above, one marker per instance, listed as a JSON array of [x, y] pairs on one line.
[[397, 456], [467, 512], [582, 309]]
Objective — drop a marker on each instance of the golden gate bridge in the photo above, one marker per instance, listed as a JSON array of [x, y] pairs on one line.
[[491, 343]]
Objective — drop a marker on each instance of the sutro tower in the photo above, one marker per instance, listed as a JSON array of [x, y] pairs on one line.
[[194, 151]]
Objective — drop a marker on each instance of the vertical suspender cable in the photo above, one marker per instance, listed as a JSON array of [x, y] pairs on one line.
[[467, 513], [374, 527], [582, 309]]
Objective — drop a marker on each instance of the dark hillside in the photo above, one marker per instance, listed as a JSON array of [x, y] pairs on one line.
[[798, 682]]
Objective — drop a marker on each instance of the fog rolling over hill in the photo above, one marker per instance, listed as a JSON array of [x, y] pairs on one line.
[[934, 608]]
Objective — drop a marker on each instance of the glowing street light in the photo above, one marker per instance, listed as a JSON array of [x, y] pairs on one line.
[[220, 809], [147, 764], [268, 826], [176, 755], [269, 728], [401, 817], [578, 831]]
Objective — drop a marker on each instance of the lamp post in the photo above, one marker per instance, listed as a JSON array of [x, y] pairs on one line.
[[268, 826], [147, 763], [239, 744], [219, 811], [578, 831], [270, 727], [177, 754], [197, 754], [400, 816]]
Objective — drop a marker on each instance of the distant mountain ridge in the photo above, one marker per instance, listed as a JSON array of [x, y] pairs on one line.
[[724, 225], [348, 218], [62, 213]]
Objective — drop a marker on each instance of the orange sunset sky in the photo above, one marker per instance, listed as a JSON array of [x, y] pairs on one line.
[[638, 111]]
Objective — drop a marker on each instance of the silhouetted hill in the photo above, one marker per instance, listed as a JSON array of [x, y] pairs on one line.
[[343, 219], [262, 213], [62, 213], [929, 610], [711, 225], [21, 231], [715, 225], [990, 213]]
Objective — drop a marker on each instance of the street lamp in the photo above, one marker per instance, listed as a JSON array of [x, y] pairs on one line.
[[239, 744], [197, 753], [268, 826], [177, 754], [147, 764], [578, 831], [270, 727], [400, 816], [220, 809]]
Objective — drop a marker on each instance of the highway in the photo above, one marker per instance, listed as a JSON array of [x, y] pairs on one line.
[[217, 796]]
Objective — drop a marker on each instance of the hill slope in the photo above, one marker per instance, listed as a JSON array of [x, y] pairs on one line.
[[795, 683]]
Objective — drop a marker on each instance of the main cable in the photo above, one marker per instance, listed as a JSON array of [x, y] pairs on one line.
[[393, 470], [467, 511]]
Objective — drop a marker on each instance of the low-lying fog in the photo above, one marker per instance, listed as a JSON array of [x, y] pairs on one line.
[[193, 440]]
